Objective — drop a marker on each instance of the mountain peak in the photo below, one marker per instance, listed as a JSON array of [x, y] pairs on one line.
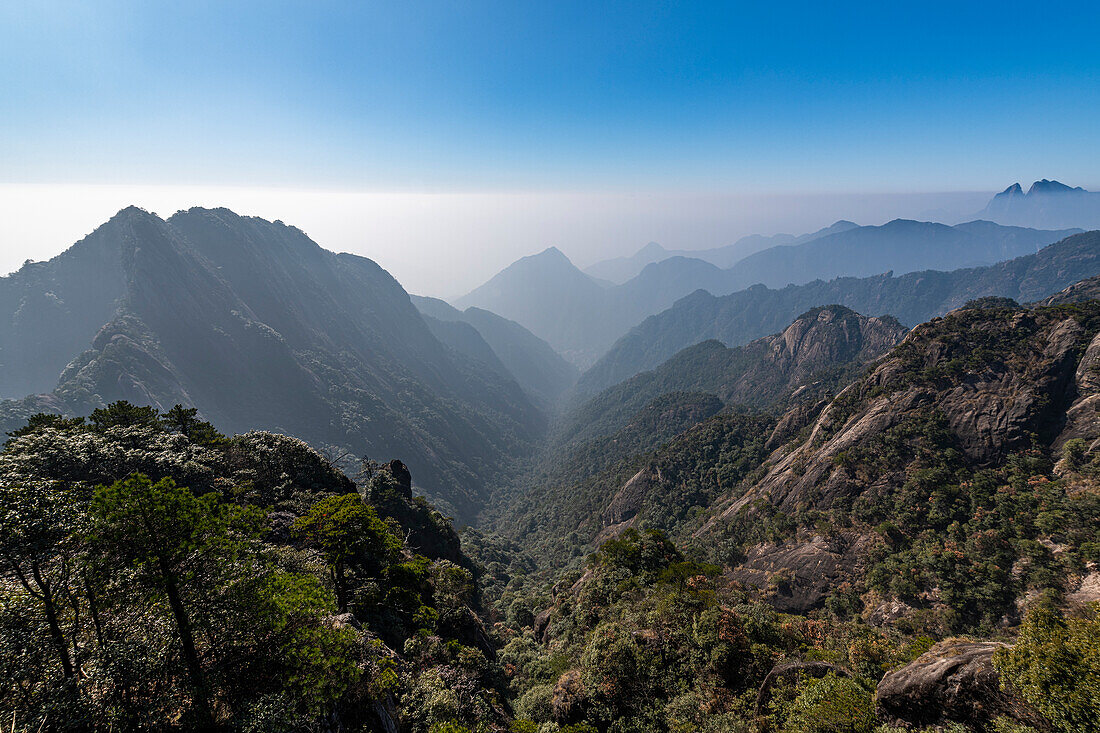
[[550, 254], [1010, 192], [1051, 187], [651, 250], [132, 213]]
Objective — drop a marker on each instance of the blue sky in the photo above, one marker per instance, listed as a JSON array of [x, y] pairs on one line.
[[562, 95], [454, 137]]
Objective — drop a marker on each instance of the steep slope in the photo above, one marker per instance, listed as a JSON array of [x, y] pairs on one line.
[[821, 350], [259, 327], [556, 508], [925, 480], [52, 310], [648, 431], [540, 370], [740, 317], [1047, 204], [465, 339]]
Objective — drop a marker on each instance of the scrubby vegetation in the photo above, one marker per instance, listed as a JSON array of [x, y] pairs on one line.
[[158, 573]]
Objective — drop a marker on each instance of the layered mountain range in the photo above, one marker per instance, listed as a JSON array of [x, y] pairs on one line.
[[839, 488], [797, 450], [507, 346], [605, 441], [581, 317], [620, 269], [914, 297]]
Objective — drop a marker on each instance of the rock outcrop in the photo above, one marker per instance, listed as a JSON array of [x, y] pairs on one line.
[[797, 576], [993, 402], [953, 682], [987, 381]]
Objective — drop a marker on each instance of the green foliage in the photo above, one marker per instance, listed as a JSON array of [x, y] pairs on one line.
[[831, 704], [345, 530], [160, 528], [317, 658], [185, 420], [122, 414], [169, 596], [1055, 666]]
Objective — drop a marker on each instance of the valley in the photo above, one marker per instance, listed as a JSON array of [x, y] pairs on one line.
[[752, 501]]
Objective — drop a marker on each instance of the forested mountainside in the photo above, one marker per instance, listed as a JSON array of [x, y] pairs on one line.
[[540, 370], [563, 501], [896, 464], [156, 570], [258, 327], [821, 350], [912, 298], [951, 490], [582, 318], [157, 574], [805, 571]]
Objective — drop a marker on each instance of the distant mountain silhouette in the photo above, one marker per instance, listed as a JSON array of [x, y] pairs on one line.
[[258, 327], [901, 245], [621, 269], [1047, 204], [740, 317], [581, 318]]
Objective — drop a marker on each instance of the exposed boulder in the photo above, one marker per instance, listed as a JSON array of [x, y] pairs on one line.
[[629, 499], [569, 699], [953, 682], [797, 576]]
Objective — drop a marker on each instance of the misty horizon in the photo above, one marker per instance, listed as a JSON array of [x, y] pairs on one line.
[[444, 244]]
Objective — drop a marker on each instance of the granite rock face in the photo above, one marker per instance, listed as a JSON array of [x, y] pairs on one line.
[[992, 379], [953, 682], [797, 576], [991, 405]]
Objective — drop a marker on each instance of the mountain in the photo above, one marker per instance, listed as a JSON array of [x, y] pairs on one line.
[[621, 269], [933, 471], [547, 294], [582, 319], [749, 314], [728, 256], [901, 245], [539, 369], [923, 487], [1047, 204], [258, 327], [607, 441], [819, 351], [467, 341]]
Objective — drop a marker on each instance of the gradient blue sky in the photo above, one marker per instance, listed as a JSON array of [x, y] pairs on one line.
[[555, 96]]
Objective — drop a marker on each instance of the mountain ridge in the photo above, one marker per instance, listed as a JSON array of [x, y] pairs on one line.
[[582, 319], [913, 297], [257, 326]]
